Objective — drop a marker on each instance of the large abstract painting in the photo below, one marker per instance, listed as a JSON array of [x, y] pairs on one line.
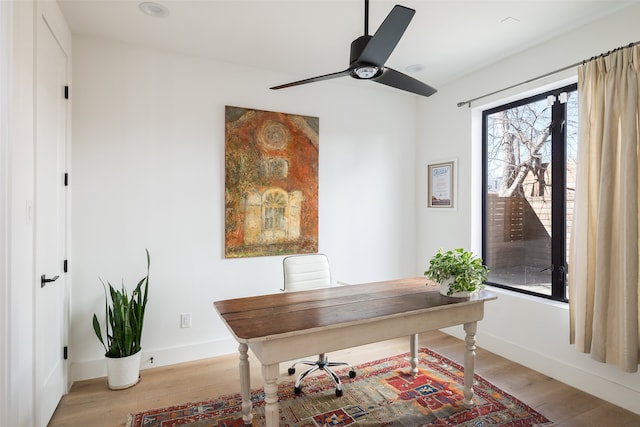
[[271, 183]]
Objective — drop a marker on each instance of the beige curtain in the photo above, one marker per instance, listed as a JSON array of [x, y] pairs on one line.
[[604, 256]]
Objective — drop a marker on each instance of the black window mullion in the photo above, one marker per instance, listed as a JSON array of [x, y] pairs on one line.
[[558, 197], [484, 183]]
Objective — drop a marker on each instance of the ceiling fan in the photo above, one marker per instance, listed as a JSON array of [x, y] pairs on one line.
[[369, 53]]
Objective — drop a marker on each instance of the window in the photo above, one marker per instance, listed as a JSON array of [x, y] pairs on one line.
[[274, 210], [529, 156]]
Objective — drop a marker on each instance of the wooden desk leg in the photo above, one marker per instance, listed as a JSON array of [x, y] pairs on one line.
[[469, 363], [245, 384], [414, 354], [271, 409]]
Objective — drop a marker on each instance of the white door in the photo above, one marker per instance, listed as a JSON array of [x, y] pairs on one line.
[[51, 296]]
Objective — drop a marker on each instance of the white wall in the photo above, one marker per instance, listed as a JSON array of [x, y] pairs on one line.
[[19, 291], [5, 88], [530, 331], [148, 171]]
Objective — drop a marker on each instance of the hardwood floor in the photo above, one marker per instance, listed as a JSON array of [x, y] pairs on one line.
[[91, 403]]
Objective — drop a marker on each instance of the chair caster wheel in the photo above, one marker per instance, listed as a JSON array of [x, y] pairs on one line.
[[297, 390], [291, 371], [352, 374], [338, 393]]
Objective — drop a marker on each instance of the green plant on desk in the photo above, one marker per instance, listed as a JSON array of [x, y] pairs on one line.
[[466, 271]]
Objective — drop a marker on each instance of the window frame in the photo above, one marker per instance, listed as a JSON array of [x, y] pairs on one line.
[[558, 190]]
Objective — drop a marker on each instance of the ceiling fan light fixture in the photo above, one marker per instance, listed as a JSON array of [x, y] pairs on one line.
[[366, 71]]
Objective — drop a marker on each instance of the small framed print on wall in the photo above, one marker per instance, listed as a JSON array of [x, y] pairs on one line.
[[441, 184]]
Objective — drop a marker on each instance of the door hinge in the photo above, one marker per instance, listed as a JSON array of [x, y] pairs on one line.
[[65, 352], [66, 179], [65, 266], [66, 92]]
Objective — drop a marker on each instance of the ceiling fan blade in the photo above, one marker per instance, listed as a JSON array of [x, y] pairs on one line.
[[314, 79], [393, 78], [387, 36]]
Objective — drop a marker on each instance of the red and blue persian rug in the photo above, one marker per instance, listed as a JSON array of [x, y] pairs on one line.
[[383, 393]]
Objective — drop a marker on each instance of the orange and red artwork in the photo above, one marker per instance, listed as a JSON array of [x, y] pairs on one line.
[[271, 183]]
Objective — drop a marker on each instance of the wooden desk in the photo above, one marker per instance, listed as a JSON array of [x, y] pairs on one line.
[[291, 325]]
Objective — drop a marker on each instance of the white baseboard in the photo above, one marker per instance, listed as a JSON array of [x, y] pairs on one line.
[[85, 370], [575, 376]]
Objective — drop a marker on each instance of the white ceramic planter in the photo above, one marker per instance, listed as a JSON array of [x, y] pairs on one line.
[[444, 288], [123, 372]]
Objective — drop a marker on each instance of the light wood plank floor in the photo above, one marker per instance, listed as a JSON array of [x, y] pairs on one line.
[[90, 403]]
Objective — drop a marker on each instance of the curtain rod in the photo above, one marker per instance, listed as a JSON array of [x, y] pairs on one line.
[[568, 67]]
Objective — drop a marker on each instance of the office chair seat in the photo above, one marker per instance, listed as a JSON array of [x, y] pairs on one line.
[[304, 272]]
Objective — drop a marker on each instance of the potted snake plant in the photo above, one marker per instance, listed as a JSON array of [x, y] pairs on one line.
[[459, 273], [124, 319]]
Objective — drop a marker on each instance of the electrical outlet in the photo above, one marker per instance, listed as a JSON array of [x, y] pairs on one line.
[[185, 320]]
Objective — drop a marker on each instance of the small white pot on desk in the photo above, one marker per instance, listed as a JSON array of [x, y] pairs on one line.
[[444, 290]]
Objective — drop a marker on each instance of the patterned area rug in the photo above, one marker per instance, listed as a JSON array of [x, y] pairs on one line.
[[382, 394]]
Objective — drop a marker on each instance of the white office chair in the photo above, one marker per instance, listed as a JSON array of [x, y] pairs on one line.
[[304, 272]]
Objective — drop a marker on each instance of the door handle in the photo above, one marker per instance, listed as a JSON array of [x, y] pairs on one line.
[[44, 280]]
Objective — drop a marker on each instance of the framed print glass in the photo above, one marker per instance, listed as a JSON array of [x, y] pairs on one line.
[[441, 182]]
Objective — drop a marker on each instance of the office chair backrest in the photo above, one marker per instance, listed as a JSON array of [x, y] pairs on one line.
[[303, 272]]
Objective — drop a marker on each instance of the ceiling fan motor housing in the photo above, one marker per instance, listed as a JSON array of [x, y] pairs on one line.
[[362, 70]]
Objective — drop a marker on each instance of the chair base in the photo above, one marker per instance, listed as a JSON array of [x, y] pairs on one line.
[[322, 364]]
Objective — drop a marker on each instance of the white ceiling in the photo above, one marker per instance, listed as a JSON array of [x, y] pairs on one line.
[[306, 38]]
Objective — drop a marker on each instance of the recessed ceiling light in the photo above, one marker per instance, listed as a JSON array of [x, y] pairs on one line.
[[510, 19], [154, 9]]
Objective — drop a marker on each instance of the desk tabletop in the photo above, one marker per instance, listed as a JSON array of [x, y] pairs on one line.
[[262, 316]]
